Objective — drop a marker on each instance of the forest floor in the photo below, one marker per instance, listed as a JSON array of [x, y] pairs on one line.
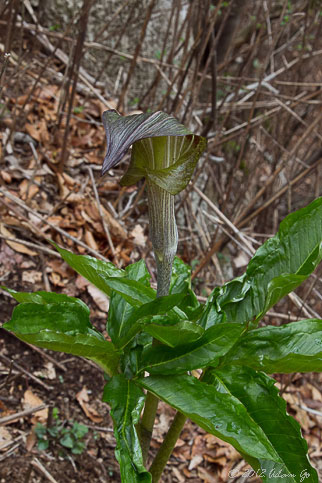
[[40, 201]]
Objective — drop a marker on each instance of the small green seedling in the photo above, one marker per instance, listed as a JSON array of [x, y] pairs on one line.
[[66, 436]]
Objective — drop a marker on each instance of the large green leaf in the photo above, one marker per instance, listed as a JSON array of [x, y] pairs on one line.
[[181, 283], [172, 334], [135, 293], [120, 311], [207, 350], [61, 326], [94, 270], [219, 413], [278, 266], [43, 297], [259, 396], [293, 347], [134, 285], [121, 308], [126, 401], [141, 315]]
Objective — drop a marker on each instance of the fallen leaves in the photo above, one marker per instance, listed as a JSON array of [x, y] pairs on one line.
[[99, 297], [83, 400], [18, 247], [31, 400]]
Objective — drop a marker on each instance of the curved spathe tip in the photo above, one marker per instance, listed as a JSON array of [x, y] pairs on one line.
[[123, 131]]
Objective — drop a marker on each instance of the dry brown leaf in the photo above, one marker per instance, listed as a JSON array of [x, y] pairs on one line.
[[18, 247], [31, 276], [138, 236], [4, 410], [63, 190], [195, 461], [61, 267], [108, 186], [31, 440], [69, 180], [206, 476], [93, 158], [30, 400], [115, 227], [5, 437], [81, 282], [83, 400], [55, 279], [45, 92], [177, 474], [7, 178], [316, 394], [90, 240], [99, 298], [33, 131], [12, 221], [47, 372], [93, 216], [27, 189], [43, 131]]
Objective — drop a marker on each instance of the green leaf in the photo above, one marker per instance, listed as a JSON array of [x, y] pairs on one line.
[[120, 310], [123, 131], [172, 334], [42, 297], [138, 271], [207, 350], [67, 440], [135, 293], [134, 286], [95, 271], [278, 266], [166, 161], [141, 316], [43, 444], [218, 413], [126, 401], [181, 275], [69, 318], [78, 447], [293, 347], [63, 326], [79, 430], [260, 397], [181, 283]]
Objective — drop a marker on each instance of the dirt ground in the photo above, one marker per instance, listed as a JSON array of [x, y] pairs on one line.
[[263, 161]]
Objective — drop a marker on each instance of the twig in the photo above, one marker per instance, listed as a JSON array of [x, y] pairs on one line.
[[31, 245], [22, 414], [10, 451], [6, 381], [40, 467], [249, 248], [46, 356], [19, 202], [24, 371], [136, 53], [106, 230], [82, 26]]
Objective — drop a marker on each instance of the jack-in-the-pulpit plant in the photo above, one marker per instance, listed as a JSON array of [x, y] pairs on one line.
[[157, 339]]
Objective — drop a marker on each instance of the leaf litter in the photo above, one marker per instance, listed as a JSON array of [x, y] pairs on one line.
[[68, 202]]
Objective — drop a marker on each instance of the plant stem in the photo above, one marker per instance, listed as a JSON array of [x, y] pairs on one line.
[[163, 233], [167, 447], [145, 428]]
